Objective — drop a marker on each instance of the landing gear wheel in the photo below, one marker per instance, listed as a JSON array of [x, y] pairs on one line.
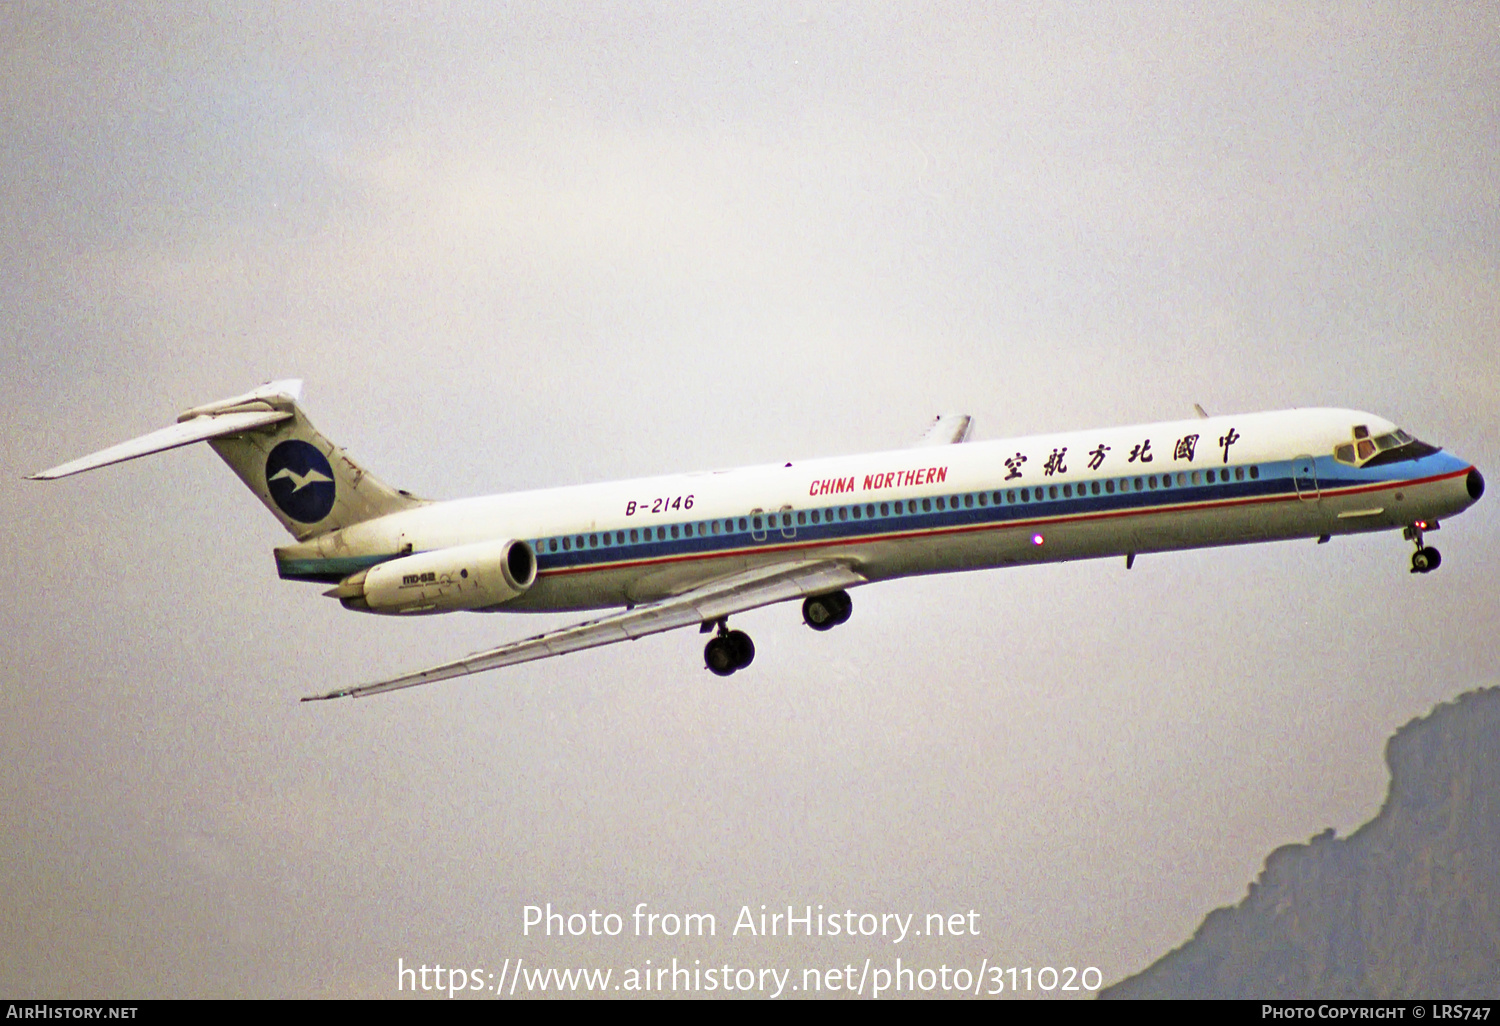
[[744, 648], [730, 651], [720, 657], [821, 612], [1426, 560], [846, 606]]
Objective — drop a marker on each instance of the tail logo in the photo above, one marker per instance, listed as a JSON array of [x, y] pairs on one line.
[[300, 481]]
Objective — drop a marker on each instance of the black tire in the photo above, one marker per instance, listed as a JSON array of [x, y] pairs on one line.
[[1434, 559], [818, 613], [742, 648], [720, 657], [846, 606], [1421, 561]]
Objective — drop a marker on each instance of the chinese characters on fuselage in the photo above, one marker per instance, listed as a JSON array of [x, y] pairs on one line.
[[1184, 450]]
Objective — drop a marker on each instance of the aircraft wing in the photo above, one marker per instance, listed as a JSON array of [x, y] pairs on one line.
[[704, 604], [947, 429]]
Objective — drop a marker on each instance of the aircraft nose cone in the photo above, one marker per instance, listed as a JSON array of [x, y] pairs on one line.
[[1475, 482]]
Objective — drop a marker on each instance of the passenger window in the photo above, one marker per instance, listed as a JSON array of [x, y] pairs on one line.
[[1109, 486], [1197, 477], [1025, 495], [1138, 484], [939, 502], [1254, 472], [856, 512], [715, 527], [1067, 491], [674, 530], [1052, 492], [926, 505], [984, 498], [1239, 473], [567, 546], [801, 518], [885, 509], [843, 512], [553, 546], [1010, 495], [969, 501]]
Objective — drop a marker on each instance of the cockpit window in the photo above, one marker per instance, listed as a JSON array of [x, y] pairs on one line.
[[1393, 447]]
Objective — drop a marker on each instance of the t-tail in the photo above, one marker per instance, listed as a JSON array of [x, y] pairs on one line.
[[308, 483]]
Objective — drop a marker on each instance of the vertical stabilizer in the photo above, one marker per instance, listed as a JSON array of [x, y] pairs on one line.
[[311, 485]]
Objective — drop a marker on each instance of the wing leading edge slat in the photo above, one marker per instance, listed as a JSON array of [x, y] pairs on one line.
[[709, 602]]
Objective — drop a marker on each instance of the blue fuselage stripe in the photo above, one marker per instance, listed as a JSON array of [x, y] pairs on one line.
[[1277, 481]]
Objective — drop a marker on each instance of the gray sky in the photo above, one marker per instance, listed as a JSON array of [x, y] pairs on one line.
[[511, 248]]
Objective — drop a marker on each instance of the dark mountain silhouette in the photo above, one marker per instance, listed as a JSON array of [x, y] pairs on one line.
[[1408, 906]]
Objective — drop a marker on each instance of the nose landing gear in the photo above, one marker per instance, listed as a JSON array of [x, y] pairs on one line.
[[1426, 559], [728, 651]]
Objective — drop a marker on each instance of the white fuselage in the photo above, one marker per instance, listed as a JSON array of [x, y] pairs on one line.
[[1077, 495]]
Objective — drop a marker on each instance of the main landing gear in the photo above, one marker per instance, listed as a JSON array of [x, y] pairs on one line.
[[729, 651], [1426, 559], [823, 612], [733, 650]]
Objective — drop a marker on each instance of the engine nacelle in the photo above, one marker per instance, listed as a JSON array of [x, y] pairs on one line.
[[462, 577]]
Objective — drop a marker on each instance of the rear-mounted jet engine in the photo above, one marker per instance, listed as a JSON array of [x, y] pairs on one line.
[[463, 577]]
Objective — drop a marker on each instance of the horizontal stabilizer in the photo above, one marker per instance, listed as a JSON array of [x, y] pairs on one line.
[[197, 429], [948, 429]]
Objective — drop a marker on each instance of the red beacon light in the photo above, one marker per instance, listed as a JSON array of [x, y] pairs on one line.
[[1036, 539]]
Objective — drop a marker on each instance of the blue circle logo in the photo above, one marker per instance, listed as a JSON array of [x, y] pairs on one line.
[[301, 481]]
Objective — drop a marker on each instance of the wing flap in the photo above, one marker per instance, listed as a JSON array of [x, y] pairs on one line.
[[708, 602], [187, 432]]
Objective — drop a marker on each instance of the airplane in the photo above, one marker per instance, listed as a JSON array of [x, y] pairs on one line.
[[694, 549]]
